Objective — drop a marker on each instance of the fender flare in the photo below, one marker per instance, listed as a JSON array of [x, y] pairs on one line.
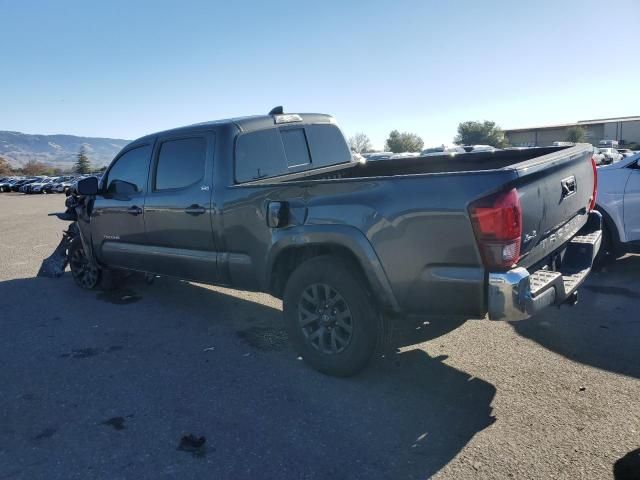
[[343, 236]]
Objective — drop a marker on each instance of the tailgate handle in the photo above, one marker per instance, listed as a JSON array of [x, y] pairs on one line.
[[568, 186]]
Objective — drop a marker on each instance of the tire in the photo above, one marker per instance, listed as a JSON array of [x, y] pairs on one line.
[[609, 251], [330, 316], [86, 274]]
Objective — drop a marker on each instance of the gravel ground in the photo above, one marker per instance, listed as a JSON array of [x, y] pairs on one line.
[[106, 385]]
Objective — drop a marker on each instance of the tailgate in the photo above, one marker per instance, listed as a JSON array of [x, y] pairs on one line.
[[555, 191]]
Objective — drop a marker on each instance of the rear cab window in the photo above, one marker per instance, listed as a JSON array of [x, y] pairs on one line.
[[283, 150]]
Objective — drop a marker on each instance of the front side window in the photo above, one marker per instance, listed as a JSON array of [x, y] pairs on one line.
[[129, 174], [180, 163]]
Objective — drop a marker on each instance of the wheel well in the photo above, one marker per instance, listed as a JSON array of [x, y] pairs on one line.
[[288, 260], [610, 226]]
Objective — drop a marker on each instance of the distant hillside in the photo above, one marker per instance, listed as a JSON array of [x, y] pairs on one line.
[[56, 150]]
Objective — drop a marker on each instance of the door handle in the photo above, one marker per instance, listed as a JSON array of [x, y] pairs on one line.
[[195, 210], [134, 210]]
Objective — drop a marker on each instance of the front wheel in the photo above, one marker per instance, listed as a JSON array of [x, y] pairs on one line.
[[330, 318], [85, 272]]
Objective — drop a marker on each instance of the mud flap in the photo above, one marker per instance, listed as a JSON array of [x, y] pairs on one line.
[[54, 265]]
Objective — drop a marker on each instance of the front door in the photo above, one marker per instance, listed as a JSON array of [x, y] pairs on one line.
[[178, 207], [117, 217], [632, 206]]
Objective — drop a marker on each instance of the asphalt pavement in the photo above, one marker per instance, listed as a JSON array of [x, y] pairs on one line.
[[182, 380]]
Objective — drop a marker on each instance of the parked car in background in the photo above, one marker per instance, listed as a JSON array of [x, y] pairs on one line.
[[598, 156], [56, 186], [619, 203], [65, 185], [442, 150], [611, 155], [6, 185], [608, 144], [625, 152], [479, 148], [18, 186], [39, 186], [48, 187], [404, 155], [377, 156]]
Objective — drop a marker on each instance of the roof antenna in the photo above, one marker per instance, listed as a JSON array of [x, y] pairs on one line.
[[277, 110]]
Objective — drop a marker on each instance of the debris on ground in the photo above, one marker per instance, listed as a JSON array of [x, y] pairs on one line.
[[54, 265]]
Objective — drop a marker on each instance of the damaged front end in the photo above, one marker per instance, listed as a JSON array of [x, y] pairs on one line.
[[55, 265]]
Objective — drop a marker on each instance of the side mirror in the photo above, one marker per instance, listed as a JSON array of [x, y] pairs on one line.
[[88, 186]]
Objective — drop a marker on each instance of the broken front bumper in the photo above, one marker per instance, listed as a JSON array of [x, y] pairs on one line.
[[518, 294]]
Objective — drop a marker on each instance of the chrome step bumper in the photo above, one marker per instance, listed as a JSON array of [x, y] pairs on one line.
[[518, 294]]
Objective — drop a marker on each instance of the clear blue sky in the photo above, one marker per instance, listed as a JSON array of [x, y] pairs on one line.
[[126, 68]]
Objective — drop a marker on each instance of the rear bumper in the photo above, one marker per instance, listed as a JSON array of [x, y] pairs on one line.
[[518, 294]]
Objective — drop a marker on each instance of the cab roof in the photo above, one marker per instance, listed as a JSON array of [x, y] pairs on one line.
[[247, 124]]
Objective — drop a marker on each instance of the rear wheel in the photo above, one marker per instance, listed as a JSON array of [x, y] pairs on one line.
[[331, 320]]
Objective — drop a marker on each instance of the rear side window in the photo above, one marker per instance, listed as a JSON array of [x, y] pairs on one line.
[[327, 145], [295, 147], [278, 151], [180, 163], [259, 154], [129, 174]]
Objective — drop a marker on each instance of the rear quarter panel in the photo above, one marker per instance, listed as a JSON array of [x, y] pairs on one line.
[[420, 229]]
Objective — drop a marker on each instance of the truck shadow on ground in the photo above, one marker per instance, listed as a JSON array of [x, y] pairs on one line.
[[178, 359], [603, 330]]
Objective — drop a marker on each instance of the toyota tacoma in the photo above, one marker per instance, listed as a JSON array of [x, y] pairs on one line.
[[276, 203]]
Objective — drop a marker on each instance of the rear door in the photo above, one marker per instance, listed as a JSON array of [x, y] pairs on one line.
[[117, 220], [178, 207]]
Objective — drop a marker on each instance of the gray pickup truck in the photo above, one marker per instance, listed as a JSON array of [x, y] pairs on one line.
[[275, 203]]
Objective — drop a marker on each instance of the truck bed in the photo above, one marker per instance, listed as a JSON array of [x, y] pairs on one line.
[[467, 162], [538, 174]]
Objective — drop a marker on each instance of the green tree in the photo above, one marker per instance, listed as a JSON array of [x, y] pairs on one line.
[[480, 133], [360, 143], [576, 135], [82, 164], [5, 168], [403, 142]]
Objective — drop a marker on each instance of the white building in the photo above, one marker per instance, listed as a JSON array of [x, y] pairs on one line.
[[624, 129]]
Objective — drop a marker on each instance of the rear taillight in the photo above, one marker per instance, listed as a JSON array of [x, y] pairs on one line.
[[497, 223], [594, 194]]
